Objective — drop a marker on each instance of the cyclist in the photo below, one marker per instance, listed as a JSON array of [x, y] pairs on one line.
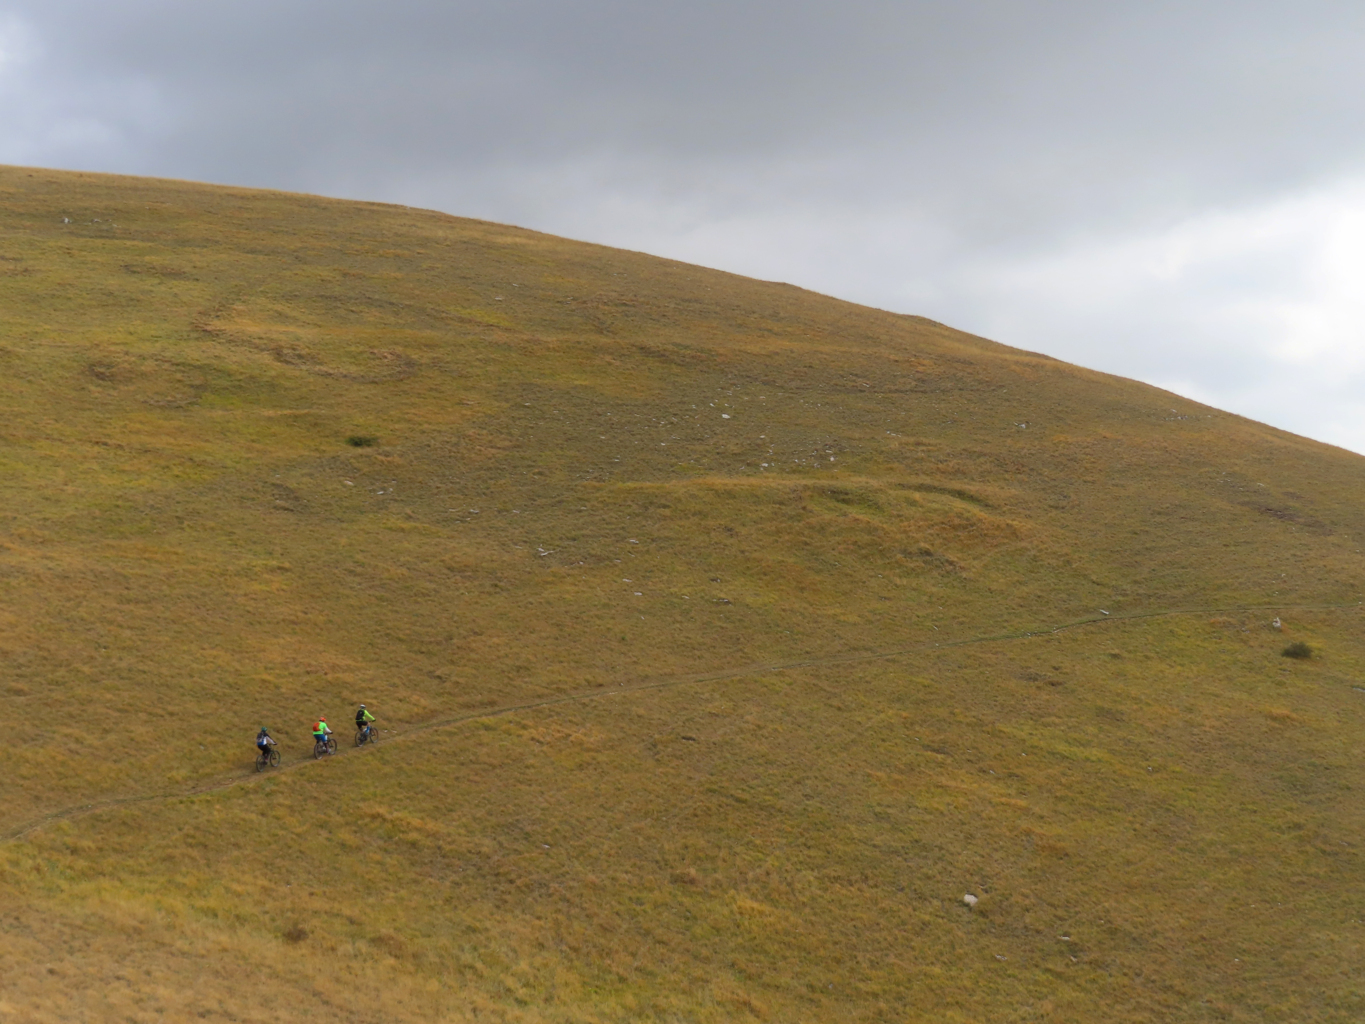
[[321, 730], [264, 741], [362, 723]]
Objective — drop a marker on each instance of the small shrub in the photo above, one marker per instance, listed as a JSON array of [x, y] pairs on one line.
[[1282, 715], [391, 943], [295, 934], [687, 876], [361, 440], [1298, 649]]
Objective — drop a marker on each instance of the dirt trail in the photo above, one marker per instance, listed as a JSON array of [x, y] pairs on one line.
[[754, 669]]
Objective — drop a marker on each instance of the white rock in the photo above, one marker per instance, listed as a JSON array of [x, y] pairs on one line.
[[970, 900]]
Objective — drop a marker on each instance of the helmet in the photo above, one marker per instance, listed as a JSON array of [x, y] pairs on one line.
[[362, 705]]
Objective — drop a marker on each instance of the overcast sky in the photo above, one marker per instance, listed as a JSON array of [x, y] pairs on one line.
[[1169, 191]]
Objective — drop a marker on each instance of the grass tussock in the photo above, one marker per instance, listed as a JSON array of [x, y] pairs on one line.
[[656, 585]]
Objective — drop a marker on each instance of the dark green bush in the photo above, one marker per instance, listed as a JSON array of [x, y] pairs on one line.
[[361, 441], [1298, 649]]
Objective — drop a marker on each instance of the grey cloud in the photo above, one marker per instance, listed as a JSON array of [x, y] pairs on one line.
[[1196, 95]]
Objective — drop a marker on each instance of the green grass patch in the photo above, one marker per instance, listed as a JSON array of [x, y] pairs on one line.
[[774, 582]]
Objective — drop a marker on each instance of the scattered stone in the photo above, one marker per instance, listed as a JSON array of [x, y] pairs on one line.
[[1275, 623], [970, 900]]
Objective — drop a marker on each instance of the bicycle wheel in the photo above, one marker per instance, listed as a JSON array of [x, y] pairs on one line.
[[260, 762], [319, 748], [360, 737], [331, 745], [374, 735], [274, 758]]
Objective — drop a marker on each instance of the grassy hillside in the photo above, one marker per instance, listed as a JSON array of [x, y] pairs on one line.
[[714, 628]]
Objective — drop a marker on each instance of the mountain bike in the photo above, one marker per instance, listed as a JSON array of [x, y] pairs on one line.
[[327, 746], [269, 757], [369, 734]]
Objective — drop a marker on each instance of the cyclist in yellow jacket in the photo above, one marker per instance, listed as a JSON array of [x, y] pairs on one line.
[[321, 730], [362, 723]]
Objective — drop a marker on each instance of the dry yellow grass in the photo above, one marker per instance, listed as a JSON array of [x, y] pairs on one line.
[[595, 470]]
